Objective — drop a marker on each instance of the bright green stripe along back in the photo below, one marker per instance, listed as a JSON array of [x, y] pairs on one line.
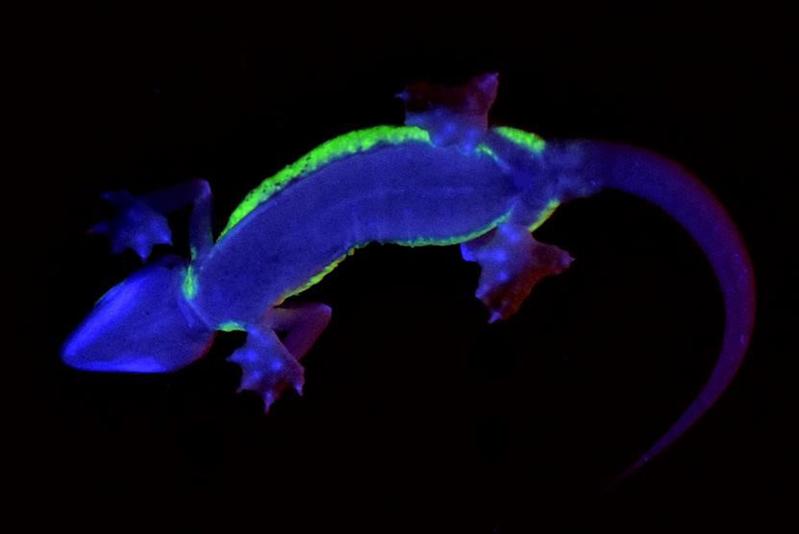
[[337, 148], [530, 141]]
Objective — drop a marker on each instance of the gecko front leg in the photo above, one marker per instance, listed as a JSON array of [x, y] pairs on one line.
[[141, 220], [512, 262], [454, 116]]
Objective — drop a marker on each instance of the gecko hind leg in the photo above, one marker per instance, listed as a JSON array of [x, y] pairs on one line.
[[270, 365], [454, 116], [512, 262], [302, 325]]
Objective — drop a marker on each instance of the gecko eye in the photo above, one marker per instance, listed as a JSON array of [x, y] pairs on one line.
[[142, 325]]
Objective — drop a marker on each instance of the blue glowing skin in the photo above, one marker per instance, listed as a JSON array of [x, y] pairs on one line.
[[142, 325], [445, 178]]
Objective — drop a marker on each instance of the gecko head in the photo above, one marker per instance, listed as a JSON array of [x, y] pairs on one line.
[[141, 325]]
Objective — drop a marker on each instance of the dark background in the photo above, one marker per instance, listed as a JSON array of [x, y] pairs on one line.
[[418, 416]]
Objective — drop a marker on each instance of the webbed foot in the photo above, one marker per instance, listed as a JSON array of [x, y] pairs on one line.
[[268, 368], [512, 262], [269, 364], [137, 226]]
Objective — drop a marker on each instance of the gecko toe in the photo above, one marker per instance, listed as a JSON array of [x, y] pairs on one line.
[[267, 367]]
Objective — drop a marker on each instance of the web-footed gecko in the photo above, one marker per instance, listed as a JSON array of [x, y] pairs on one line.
[[444, 178]]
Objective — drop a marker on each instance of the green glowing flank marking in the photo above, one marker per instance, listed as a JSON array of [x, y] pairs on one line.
[[527, 140], [315, 279], [417, 242], [231, 326], [454, 240], [193, 252], [337, 148], [483, 148], [548, 210], [190, 283]]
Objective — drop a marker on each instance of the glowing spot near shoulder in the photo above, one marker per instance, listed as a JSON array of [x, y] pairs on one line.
[[530, 141], [483, 148], [193, 252], [545, 214], [329, 151], [190, 283], [231, 326]]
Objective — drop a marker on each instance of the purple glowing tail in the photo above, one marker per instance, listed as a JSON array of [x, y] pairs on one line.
[[664, 183]]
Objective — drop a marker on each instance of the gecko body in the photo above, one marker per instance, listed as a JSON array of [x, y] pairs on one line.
[[444, 178]]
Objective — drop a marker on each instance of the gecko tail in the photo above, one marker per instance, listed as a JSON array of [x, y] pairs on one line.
[[666, 184]]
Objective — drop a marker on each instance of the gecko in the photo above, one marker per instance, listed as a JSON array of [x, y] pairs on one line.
[[443, 178]]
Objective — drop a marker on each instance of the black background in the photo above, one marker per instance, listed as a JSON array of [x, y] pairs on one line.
[[418, 416]]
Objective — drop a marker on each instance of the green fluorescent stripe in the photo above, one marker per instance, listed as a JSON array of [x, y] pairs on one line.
[[315, 279], [190, 283], [456, 239], [545, 214], [231, 326], [336, 148], [483, 148], [416, 242], [530, 141]]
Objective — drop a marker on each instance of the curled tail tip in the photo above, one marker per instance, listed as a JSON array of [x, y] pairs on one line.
[[675, 190]]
